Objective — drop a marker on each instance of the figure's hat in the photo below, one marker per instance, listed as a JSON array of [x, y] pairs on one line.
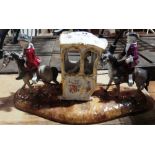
[[133, 34], [24, 37]]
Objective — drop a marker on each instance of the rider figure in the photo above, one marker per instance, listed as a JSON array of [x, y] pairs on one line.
[[130, 54], [32, 61]]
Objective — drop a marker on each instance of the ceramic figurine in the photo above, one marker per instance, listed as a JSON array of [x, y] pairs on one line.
[[32, 61], [130, 54]]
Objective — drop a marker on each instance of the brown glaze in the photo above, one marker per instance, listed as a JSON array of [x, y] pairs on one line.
[[44, 102]]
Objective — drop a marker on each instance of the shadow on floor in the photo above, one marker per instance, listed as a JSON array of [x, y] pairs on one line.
[[146, 118], [6, 103]]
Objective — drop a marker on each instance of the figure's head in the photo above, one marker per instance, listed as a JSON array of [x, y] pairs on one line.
[[132, 37], [24, 40]]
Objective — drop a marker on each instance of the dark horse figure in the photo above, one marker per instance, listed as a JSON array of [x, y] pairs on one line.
[[45, 73], [118, 74]]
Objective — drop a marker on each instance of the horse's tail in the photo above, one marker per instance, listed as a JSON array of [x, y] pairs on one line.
[[147, 81], [55, 73], [141, 78]]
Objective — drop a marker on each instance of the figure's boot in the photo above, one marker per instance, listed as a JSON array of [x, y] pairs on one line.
[[34, 78], [130, 80], [1, 53], [21, 75]]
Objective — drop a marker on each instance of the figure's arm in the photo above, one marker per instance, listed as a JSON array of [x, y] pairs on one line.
[[129, 59], [134, 56], [135, 51], [23, 54]]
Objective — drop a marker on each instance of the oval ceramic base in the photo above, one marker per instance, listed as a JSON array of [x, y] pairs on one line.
[[45, 102]]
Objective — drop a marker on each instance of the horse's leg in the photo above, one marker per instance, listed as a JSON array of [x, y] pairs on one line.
[[23, 85], [29, 85], [147, 81], [109, 83], [27, 82], [48, 84], [147, 84], [118, 90], [107, 87], [56, 82], [55, 75]]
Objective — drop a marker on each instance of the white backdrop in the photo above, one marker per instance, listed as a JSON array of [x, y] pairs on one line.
[[77, 140]]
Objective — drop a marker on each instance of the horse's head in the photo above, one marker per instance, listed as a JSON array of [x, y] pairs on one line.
[[7, 58], [108, 57], [105, 58]]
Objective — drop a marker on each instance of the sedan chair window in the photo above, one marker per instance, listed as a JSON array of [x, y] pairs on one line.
[[89, 60], [72, 61]]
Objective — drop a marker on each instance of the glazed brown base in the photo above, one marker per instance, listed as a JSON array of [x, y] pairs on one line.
[[44, 102]]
